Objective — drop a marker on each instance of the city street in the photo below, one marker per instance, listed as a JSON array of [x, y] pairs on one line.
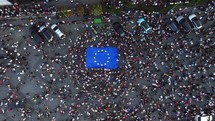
[[51, 82]]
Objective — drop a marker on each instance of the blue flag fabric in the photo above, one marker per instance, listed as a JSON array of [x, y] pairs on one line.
[[105, 57]]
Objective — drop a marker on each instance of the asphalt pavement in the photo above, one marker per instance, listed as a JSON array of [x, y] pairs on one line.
[[36, 87]]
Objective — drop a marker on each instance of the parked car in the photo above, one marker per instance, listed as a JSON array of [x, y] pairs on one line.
[[146, 28], [119, 29], [181, 20], [45, 32], [35, 35], [171, 24], [195, 22], [203, 117], [58, 32]]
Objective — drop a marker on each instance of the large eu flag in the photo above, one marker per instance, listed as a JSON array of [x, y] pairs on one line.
[[105, 57]]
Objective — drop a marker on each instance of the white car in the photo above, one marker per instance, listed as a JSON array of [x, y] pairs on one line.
[[195, 22], [203, 118], [59, 33]]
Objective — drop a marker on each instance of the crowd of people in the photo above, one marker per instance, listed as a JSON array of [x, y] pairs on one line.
[[161, 76], [31, 9], [119, 3]]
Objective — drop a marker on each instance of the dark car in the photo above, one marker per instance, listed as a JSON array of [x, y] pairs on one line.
[[181, 20], [171, 24], [119, 29], [35, 35], [46, 33]]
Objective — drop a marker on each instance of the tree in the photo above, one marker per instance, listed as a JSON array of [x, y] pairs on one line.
[[65, 12], [97, 9], [86, 13], [80, 10]]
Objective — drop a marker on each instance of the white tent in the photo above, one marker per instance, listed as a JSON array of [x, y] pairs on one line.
[[5, 2]]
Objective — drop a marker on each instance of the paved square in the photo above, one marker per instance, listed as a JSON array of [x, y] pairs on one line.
[[160, 76]]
